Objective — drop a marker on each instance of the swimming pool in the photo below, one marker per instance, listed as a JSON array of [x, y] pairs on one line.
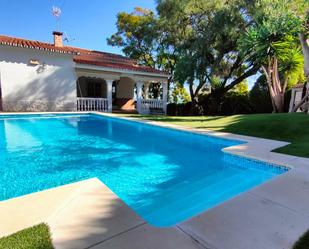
[[165, 175]]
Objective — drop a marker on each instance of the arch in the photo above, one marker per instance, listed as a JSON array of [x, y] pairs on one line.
[[124, 94], [91, 87]]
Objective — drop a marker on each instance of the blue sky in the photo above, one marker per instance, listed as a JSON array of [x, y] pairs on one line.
[[88, 22]]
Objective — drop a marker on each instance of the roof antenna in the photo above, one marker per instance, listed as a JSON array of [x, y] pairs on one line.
[[56, 12], [66, 38]]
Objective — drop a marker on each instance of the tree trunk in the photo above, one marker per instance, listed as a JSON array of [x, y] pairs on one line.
[[305, 48], [194, 108], [279, 102], [276, 90]]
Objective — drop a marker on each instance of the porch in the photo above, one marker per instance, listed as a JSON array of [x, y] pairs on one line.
[[101, 92]]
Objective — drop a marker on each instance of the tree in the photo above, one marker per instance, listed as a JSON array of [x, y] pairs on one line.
[[259, 96], [209, 55], [142, 37], [300, 10], [272, 43], [198, 42], [303, 13], [195, 40], [179, 94]]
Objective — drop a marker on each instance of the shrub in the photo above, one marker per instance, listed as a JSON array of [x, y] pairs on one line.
[[182, 109], [259, 97]]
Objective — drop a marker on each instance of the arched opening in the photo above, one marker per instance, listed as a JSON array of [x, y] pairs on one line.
[[91, 94], [88, 87], [123, 94]]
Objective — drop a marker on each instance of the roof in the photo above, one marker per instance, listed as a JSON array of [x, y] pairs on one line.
[[19, 42], [83, 56], [103, 59]]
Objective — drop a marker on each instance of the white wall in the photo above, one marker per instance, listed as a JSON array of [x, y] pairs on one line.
[[49, 86]]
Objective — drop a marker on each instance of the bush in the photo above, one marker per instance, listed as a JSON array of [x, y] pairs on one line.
[[235, 104], [231, 104], [174, 109], [259, 97], [236, 101]]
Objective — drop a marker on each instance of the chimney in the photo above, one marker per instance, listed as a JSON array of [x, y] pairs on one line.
[[58, 39]]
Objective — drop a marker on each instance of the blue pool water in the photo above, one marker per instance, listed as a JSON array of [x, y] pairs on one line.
[[165, 175]]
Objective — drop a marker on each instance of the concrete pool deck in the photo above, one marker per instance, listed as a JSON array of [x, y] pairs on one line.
[[87, 214]]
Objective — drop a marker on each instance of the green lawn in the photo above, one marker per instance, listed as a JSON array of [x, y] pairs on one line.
[[287, 127], [36, 237]]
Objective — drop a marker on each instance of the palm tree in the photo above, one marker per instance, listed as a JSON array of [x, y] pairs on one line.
[[279, 56], [305, 47]]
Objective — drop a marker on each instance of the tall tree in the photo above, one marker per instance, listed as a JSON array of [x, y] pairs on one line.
[[142, 37], [209, 54], [302, 11], [195, 40], [273, 44]]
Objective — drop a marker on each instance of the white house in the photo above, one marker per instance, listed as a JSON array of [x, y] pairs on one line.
[[39, 76]]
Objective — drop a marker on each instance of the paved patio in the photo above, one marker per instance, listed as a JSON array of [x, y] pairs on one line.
[[87, 214]]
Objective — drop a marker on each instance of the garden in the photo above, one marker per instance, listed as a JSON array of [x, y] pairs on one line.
[[224, 58]]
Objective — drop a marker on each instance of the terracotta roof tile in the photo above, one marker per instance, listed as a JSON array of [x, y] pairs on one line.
[[19, 42], [83, 56]]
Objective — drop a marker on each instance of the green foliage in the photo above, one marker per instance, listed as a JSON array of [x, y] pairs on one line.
[[240, 89], [36, 237], [142, 37], [259, 97], [235, 103], [215, 43], [210, 54], [273, 43], [195, 40], [179, 94], [284, 15], [260, 45], [303, 242], [275, 34]]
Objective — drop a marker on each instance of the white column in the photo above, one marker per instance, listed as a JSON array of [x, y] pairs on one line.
[[139, 88], [164, 86], [109, 90]]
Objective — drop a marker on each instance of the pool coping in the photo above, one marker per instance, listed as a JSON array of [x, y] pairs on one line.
[[193, 230]]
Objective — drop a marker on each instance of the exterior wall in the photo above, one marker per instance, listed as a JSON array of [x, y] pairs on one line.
[[49, 86], [125, 94], [125, 88]]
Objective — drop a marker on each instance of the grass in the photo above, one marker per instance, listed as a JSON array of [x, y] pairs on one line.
[[303, 242], [36, 237], [289, 127]]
